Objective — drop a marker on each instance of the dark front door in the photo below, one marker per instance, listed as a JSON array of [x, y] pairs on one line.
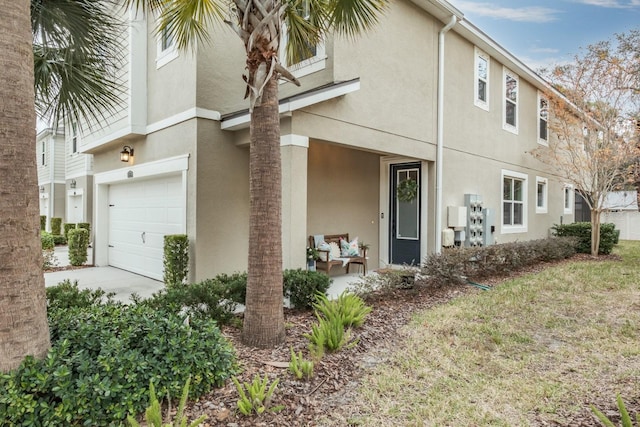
[[405, 214]]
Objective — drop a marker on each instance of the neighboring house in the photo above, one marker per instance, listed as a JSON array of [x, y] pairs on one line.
[[367, 118], [50, 159], [622, 210], [64, 176]]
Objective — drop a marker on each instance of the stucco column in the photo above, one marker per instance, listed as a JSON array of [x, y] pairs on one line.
[[294, 149]]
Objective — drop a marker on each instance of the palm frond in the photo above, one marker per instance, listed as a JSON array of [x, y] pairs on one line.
[[76, 58], [306, 23], [352, 17], [189, 21]]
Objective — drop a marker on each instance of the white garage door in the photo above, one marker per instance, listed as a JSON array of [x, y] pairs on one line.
[[141, 213]]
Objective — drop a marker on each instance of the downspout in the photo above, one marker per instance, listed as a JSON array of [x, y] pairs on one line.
[[440, 131]]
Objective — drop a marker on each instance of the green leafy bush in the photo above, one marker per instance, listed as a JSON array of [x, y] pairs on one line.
[[56, 226], [59, 240], [85, 225], [582, 232], [210, 299], [47, 241], [66, 295], [176, 259], [302, 286], [43, 222], [78, 244], [103, 358], [328, 334], [300, 367], [67, 227], [455, 266]]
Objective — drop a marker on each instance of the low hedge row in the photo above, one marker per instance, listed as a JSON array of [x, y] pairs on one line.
[[454, 266]]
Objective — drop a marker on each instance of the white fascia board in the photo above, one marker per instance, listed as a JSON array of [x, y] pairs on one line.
[[441, 9], [296, 103], [192, 113], [144, 170]]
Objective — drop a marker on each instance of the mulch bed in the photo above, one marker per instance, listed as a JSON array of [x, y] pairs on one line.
[[328, 395]]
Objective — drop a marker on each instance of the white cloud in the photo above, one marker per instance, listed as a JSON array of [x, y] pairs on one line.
[[520, 14], [611, 4]]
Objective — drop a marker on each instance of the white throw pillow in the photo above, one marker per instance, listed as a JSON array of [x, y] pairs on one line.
[[335, 251], [349, 249], [324, 246]]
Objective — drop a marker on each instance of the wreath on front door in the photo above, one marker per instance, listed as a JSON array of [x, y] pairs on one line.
[[407, 190]]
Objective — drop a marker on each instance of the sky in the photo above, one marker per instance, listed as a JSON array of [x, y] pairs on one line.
[[543, 33]]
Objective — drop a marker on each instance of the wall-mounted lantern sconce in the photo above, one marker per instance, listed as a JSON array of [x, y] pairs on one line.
[[42, 188], [126, 153], [72, 184]]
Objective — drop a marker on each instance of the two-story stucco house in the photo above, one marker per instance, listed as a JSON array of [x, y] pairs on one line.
[[50, 160], [424, 97]]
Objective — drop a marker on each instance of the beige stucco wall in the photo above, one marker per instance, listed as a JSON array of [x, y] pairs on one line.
[[343, 194]]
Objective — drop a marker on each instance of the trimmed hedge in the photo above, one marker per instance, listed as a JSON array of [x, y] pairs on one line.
[[454, 266], [302, 286], [85, 225], [176, 259], [56, 226], [68, 226], [48, 244], [78, 244], [43, 222], [103, 357], [582, 231]]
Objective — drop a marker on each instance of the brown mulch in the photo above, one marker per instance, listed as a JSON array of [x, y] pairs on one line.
[[327, 395], [67, 267]]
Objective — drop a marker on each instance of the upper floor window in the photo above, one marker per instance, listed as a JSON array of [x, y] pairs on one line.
[[43, 153], [314, 58], [167, 51], [541, 194], [481, 82], [514, 202], [510, 101], [74, 137], [543, 119]]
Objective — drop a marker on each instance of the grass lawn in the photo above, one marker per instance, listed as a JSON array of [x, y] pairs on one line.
[[534, 350]]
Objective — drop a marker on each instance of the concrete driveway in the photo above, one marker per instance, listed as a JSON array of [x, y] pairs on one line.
[[110, 279]]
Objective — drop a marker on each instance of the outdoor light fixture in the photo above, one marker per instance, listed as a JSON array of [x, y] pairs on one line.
[[72, 184], [126, 153]]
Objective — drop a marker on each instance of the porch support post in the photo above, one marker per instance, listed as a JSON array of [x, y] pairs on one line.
[[294, 150]]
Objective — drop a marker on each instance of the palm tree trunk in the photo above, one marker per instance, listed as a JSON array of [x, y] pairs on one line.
[[264, 317], [23, 312]]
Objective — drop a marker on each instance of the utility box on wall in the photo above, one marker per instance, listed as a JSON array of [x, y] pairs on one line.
[[457, 217], [474, 220], [488, 226]]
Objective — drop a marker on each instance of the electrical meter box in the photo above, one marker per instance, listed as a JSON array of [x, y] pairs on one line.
[[457, 217]]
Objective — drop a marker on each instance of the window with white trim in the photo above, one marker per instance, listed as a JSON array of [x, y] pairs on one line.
[[315, 58], [167, 50], [541, 194], [481, 82], [43, 153], [74, 137], [514, 202], [543, 119], [568, 199], [510, 85]]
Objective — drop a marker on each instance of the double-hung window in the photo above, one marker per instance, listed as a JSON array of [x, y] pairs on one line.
[[568, 199], [514, 202], [167, 51], [481, 82], [541, 194], [43, 154], [543, 120], [510, 100], [74, 137], [312, 59]]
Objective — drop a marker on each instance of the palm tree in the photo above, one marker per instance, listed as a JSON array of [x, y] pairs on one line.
[[260, 25], [71, 52]]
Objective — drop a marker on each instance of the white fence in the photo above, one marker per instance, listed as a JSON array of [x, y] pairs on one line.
[[628, 222]]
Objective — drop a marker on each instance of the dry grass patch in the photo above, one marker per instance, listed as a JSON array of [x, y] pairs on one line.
[[535, 350]]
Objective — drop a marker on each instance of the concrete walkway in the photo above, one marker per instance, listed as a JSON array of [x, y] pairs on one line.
[[123, 283]]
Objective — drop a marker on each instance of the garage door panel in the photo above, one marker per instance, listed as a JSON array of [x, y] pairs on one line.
[[140, 215]]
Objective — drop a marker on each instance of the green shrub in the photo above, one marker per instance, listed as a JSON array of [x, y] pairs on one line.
[[302, 286], [299, 366], [56, 226], [59, 240], [176, 259], [43, 222], [67, 227], [455, 266], [85, 225], [582, 232], [328, 334], [349, 308], [103, 358], [78, 244], [47, 241], [66, 295], [255, 396], [210, 299]]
